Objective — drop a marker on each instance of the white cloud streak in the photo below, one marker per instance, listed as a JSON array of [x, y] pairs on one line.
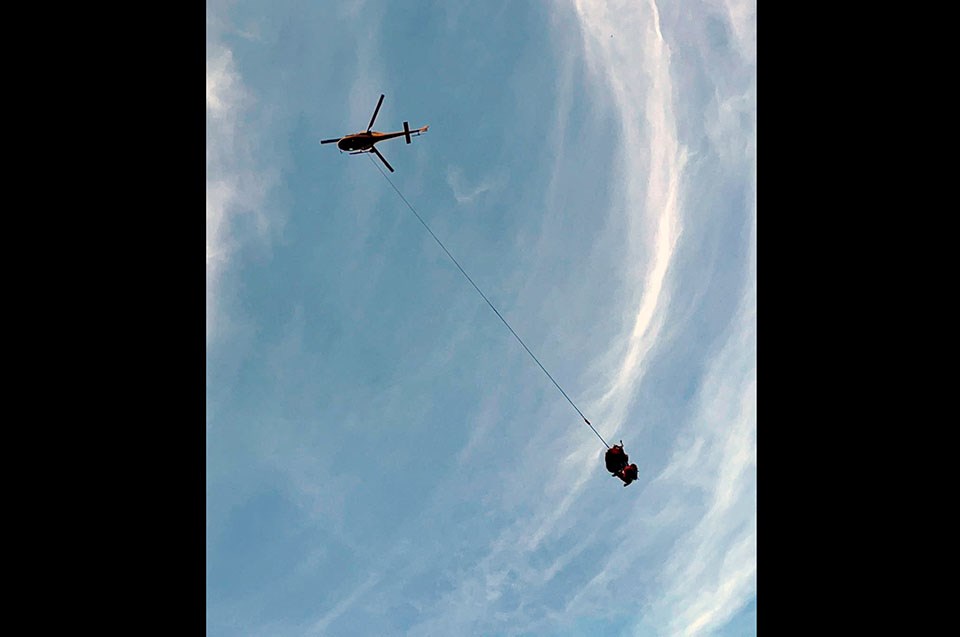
[[712, 571], [236, 184], [466, 193], [320, 626]]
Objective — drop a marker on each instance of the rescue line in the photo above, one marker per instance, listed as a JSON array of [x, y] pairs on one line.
[[492, 307]]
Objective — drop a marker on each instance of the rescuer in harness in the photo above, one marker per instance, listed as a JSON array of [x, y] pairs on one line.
[[616, 458], [628, 474]]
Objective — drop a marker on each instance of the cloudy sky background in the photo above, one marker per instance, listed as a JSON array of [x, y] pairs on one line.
[[382, 456]]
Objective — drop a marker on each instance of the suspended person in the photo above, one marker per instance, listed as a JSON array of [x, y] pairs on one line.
[[628, 474], [616, 458]]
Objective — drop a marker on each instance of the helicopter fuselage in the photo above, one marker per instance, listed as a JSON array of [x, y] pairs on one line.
[[365, 140]]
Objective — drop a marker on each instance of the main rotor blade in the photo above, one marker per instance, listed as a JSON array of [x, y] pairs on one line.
[[374, 149], [330, 141], [377, 110]]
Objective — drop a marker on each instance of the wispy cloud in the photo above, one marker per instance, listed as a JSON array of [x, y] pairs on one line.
[[465, 192], [635, 72], [236, 184], [742, 18], [712, 571], [320, 626]]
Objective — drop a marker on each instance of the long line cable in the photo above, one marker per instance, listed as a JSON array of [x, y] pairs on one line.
[[492, 307]]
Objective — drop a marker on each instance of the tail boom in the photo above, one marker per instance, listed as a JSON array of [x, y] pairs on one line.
[[407, 132]]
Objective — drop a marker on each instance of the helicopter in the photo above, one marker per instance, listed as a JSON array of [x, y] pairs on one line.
[[363, 142]]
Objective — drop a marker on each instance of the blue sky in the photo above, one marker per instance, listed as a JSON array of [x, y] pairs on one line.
[[382, 456]]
